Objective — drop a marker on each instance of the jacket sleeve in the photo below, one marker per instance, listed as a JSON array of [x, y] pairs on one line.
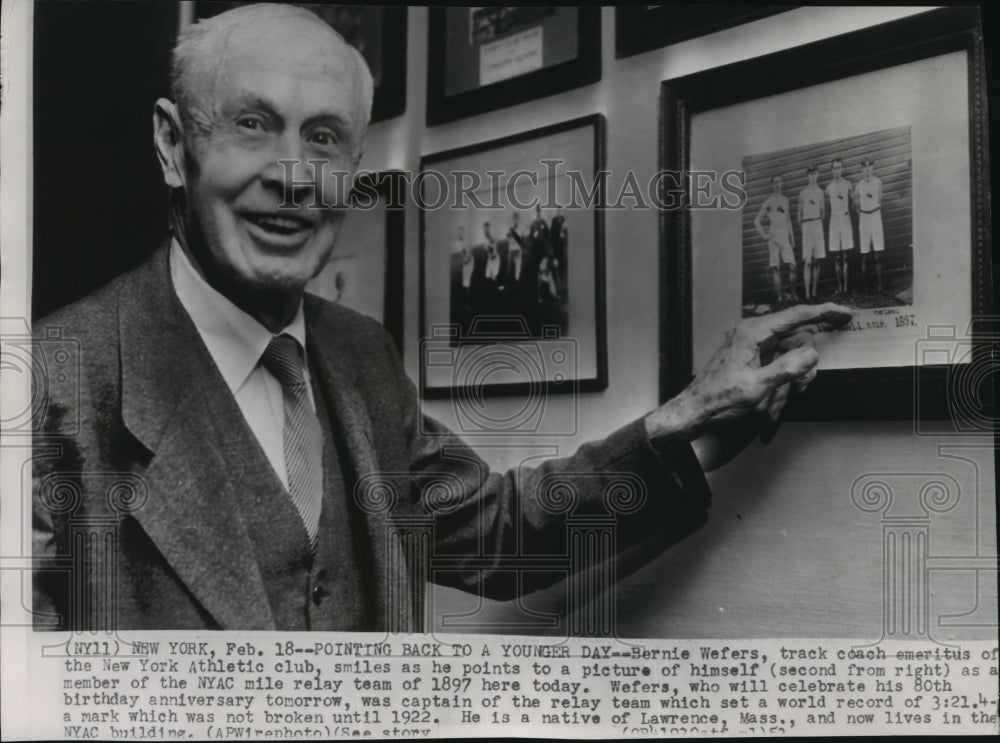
[[508, 534], [50, 574], [55, 493]]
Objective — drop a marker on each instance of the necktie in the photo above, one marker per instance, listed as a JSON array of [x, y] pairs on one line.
[[302, 435]]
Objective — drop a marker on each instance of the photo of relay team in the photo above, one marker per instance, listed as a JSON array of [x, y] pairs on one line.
[[830, 221]]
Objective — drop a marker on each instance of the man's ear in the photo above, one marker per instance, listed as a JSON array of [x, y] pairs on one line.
[[169, 142]]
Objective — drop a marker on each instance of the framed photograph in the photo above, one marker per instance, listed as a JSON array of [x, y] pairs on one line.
[[365, 272], [639, 28], [852, 170], [377, 31], [512, 266], [486, 58]]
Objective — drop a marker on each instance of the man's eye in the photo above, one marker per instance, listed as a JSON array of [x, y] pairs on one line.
[[250, 123], [323, 138]]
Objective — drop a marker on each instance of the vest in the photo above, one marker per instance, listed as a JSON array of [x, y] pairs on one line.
[[325, 592]]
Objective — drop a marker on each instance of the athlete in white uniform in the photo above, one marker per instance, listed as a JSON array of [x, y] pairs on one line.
[[812, 208], [868, 193], [840, 194], [779, 235]]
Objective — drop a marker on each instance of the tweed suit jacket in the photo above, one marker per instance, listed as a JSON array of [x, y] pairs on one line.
[[144, 439]]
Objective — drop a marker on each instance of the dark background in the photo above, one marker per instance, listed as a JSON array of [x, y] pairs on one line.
[[100, 206]]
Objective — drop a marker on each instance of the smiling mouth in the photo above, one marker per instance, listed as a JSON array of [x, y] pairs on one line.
[[278, 225], [279, 232]]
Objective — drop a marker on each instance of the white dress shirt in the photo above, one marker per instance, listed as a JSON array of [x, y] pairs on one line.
[[236, 342], [492, 265], [515, 262]]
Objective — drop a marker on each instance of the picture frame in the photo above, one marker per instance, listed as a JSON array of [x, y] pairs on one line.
[[484, 59], [640, 28], [377, 31], [530, 326], [366, 271], [915, 352]]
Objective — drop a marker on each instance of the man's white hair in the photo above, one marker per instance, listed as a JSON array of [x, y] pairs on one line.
[[196, 45]]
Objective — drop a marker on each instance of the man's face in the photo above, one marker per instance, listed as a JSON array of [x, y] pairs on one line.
[[813, 178], [776, 184], [838, 168], [287, 94]]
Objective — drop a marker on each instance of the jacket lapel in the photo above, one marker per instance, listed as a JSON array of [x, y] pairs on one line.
[[392, 591], [175, 402]]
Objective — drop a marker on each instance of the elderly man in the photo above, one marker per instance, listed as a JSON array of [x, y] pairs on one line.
[[256, 447]]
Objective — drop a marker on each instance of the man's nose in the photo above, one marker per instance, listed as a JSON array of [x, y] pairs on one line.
[[287, 171]]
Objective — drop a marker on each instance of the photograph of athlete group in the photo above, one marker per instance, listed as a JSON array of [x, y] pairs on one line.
[[512, 260], [830, 221], [511, 264]]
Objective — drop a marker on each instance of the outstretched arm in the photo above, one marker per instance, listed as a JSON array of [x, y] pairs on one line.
[[647, 474]]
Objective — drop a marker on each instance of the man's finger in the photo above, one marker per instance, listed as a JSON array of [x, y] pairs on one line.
[[778, 399], [804, 381], [817, 328], [790, 366], [762, 404], [789, 320], [801, 338]]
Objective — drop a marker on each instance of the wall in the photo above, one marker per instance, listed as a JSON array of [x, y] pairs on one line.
[[787, 553], [80, 243]]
